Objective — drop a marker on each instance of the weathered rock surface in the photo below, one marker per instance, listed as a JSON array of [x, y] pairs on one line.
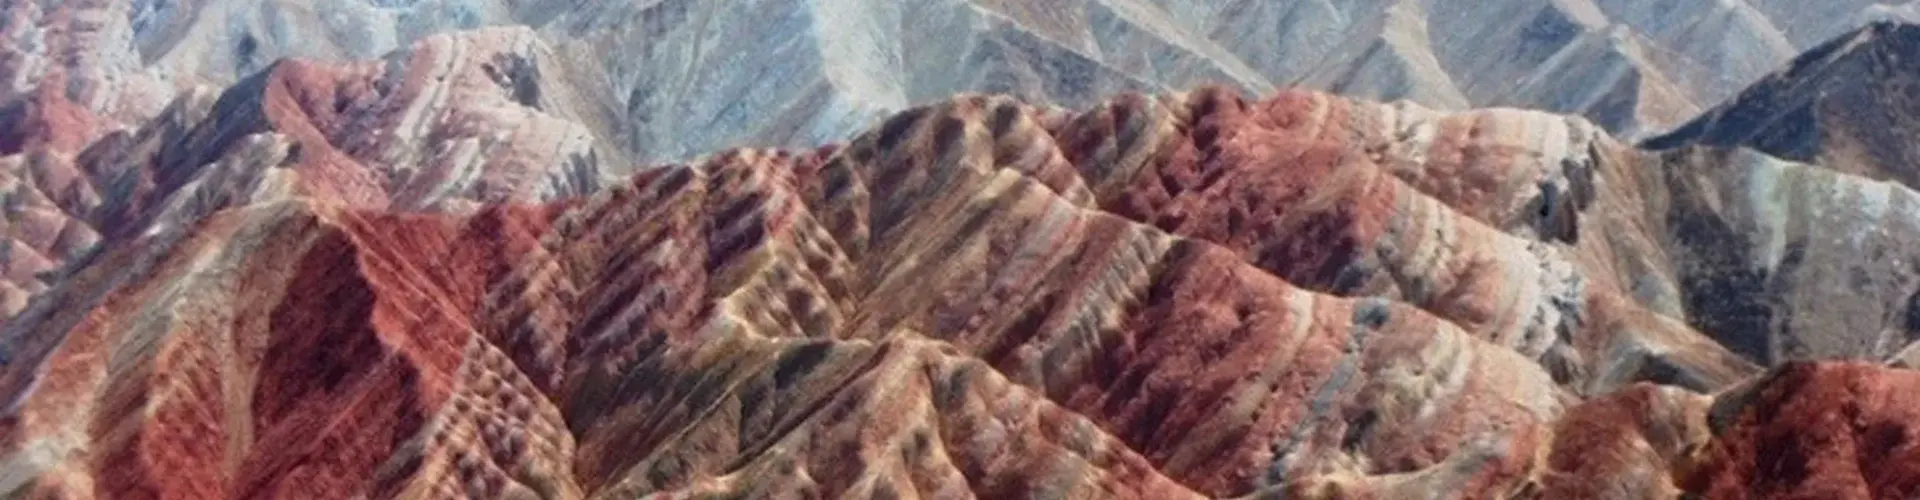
[[1771, 242], [1183, 295], [1815, 431], [47, 197], [537, 348], [679, 76], [81, 50], [400, 264], [378, 134], [1762, 247], [1633, 443], [1847, 104]]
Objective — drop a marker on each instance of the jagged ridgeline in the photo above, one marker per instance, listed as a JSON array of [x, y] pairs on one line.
[[454, 270]]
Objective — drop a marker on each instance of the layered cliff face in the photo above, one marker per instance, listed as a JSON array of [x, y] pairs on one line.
[[1163, 296]]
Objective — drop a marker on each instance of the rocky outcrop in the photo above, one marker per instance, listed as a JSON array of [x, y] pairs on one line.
[[69, 83], [1805, 430], [474, 117], [1633, 443], [47, 197], [1469, 216], [1768, 242]]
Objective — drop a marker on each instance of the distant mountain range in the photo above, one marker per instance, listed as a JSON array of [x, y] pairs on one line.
[[669, 78]]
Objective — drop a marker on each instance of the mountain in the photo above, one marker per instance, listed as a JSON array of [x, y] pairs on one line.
[[377, 134], [672, 79], [1163, 296], [1762, 423], [955, 248], [1811, 23], [1846, 104]]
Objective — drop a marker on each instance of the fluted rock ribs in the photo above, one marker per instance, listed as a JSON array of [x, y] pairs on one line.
[[760, 301], [375, 134], [1188, 295]]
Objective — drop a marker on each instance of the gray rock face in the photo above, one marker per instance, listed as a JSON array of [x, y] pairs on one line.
[[1728, 42], [1787, 261], [1809, 23], [1847, 104], [684, 73], [1805, 251]]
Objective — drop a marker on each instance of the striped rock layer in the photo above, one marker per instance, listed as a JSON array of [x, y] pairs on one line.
[[1178, 296], [452, 122], [1777, 240]]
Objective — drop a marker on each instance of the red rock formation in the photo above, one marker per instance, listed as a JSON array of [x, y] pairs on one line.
[[1358, 199], [1816, 431], [403, 277], [1178, 296], [633, 338], [1629, 444], [444, 127]]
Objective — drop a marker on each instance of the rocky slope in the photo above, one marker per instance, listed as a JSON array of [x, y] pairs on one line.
[[376, 134], [670, 80], [421, 264], [1163, 296], [1847, 104]]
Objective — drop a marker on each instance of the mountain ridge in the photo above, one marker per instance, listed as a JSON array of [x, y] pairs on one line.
[[1645, 71], [560, 261], [559, 305]]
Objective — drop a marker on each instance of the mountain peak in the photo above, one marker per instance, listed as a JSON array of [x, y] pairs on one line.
[[1846, 104], [669, 249]]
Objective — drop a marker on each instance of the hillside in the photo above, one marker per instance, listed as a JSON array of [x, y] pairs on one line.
[[1150, 249]]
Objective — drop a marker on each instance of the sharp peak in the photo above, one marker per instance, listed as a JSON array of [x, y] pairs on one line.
[[1873, 36], [1824, 67]]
